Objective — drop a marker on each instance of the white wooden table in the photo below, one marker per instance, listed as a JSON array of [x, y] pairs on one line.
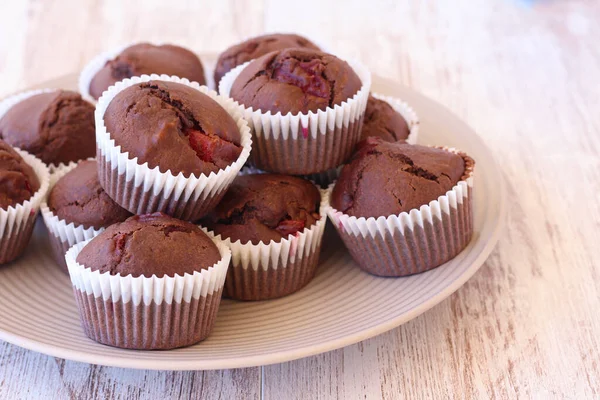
[[524, 74]]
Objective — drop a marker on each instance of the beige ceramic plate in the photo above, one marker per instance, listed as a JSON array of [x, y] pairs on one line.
[[341, 306]]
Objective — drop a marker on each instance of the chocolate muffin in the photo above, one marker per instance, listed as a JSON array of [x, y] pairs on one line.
[[174, 127], [295, 81], [152, 244], [384, 178], [382, 121], [264, 208], [78, 197], [256, 47], [57, 127], [145, 58], [18, 181]]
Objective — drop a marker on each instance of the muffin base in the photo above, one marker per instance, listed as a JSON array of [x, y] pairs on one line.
[[273, 281], [138, 201], [308, 154], [130, 326], [12, 246], [417, 250]]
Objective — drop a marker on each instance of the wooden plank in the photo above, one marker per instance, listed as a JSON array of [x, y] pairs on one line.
[[28, 375], [42, 40], [521, 73], [524, 326]]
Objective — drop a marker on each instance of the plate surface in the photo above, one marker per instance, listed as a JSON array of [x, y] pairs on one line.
[[341, 306]]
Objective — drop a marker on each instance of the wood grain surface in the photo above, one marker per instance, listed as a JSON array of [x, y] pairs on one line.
[[522, 73]]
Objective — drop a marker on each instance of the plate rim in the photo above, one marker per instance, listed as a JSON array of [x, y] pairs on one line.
[[306, 351]]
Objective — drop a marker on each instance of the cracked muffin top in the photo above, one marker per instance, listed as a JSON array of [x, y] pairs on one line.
[[146, 58], [295, 81], [78, 198], [57, 127], [383, 178], [151, 244], [256, 47], [174, 127], [382, 121], [264, 208], [18, 181]]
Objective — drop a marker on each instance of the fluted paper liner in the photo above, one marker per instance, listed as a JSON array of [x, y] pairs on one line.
[[324, 179], [143, 190], [17, 222], [271, 270], [63, 234], [413, 242], [308, 143], [9, 102], [147, 313]]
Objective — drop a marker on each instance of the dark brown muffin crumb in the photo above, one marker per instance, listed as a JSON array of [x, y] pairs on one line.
[[18, 181], [78, 197], [152, 244], [57, 127], [174, 127], [145, 58], [296, 81], [264, 208], [385, 178], [382, 121], [256, 47]]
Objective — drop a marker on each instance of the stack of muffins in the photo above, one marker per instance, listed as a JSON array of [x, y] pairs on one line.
[[161, 196]]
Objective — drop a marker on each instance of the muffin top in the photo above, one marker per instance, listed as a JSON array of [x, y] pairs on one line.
[[174, 127], [295, 81], [145, 58], [18, 181], [382, 121], [152, 244], [78, 197], [264, 208], [57, 127], [256, 47], [384, 178]]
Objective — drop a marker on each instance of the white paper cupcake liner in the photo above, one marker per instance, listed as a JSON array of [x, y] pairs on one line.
[[97, 63], [324, 179], [407, 112], [143, 190], [64, 235], [16, 222], [271, 270], [147, 313], [411, 242], [309, 143]]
